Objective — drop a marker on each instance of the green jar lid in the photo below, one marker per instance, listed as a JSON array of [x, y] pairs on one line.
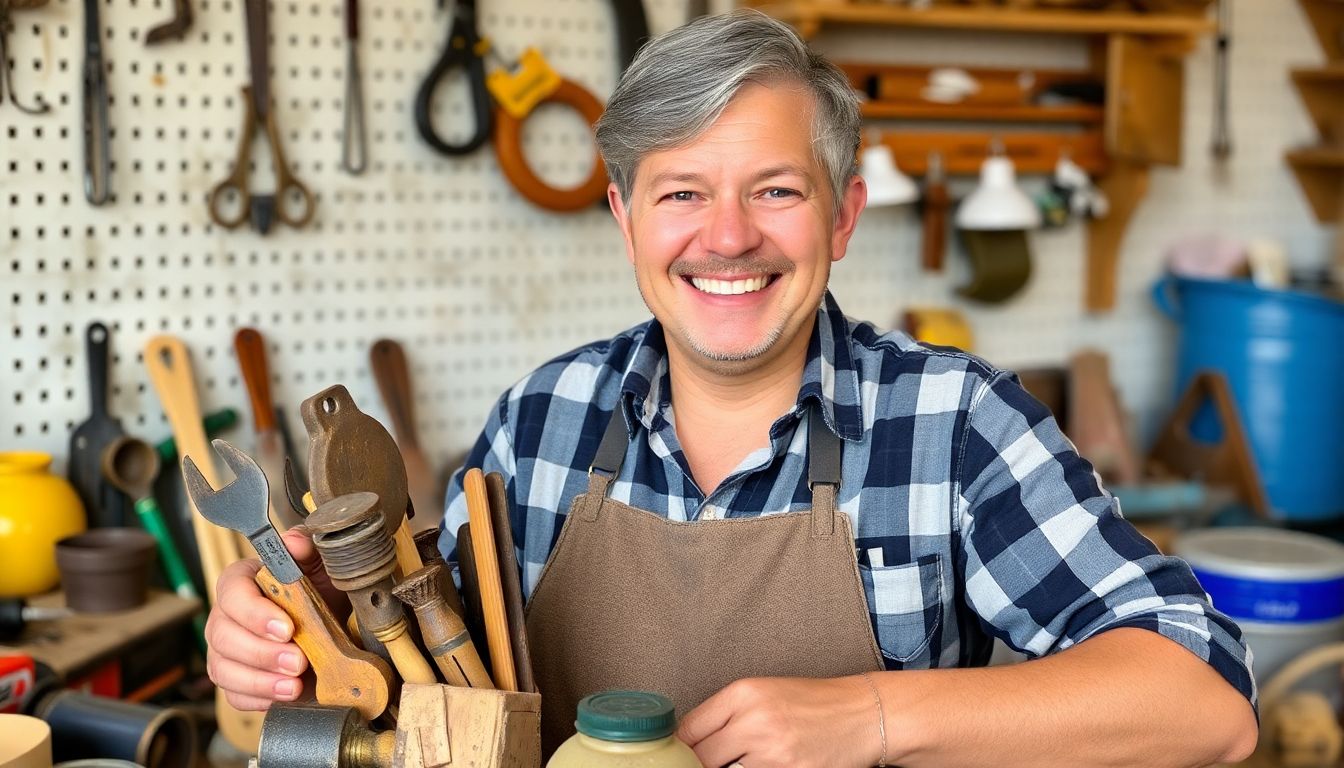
[[626, 716]]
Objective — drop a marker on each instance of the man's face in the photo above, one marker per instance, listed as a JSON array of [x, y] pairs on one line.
[[732, 235]]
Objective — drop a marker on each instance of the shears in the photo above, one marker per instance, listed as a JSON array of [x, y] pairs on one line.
[[261, 209]]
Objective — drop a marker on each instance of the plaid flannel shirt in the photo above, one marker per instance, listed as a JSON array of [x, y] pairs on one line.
[[974, 517]]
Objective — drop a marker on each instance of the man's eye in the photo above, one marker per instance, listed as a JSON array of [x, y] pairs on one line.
[[682, 196], [780, 193]]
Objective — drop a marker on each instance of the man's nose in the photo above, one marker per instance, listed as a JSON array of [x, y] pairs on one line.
[[731, 230]]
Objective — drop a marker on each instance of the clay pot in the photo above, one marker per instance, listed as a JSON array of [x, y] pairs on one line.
[[106, 569], [37, 509]]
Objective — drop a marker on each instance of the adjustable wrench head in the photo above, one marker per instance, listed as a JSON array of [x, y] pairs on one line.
[[240, 505]]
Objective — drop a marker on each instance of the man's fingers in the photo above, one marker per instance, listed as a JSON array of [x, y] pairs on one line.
[[299, 541], [229, 640], [247, 703], [720, 749], [706, 720], [244, 682], [241, 600]]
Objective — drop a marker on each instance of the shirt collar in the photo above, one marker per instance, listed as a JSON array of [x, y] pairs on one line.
[[830, 377]]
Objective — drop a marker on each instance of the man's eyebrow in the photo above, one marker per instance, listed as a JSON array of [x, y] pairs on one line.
[[676, 177], [785, 169]]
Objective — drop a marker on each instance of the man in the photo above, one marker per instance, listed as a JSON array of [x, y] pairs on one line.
[[803, 530]]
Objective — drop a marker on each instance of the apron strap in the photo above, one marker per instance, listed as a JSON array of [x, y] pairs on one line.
[[824, 451], [823, 473], [606, 463]]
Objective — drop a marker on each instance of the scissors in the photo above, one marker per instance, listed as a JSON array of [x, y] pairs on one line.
[[464, 49], [261, 209]]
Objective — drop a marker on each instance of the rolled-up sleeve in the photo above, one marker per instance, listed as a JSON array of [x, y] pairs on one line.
[[1048, 560]]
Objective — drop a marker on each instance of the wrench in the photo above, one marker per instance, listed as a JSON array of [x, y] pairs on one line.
[[346, 676]]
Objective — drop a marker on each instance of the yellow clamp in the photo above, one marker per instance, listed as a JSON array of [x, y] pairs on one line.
[[520, 91]]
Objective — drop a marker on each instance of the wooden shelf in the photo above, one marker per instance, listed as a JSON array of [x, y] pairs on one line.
[[1320, 172], [1327, 21], [987, 113], [808, 16], [1322, 92], [963, 153]]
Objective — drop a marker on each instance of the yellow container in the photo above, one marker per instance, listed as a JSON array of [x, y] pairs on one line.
[[624, 729], [37, 509]]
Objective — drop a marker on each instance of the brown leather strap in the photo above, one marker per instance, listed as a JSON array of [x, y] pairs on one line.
[[509, 151]]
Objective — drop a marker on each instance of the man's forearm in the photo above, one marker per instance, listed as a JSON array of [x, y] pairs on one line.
[[1127, 697]]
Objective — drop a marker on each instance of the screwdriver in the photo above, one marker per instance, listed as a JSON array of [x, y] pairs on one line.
[[15, 614]]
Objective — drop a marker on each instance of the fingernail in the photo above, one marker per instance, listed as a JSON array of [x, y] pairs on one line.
[[285, 688], [289, 663], [277, 630]]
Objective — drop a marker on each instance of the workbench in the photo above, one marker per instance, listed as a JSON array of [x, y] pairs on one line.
[[129, 654]]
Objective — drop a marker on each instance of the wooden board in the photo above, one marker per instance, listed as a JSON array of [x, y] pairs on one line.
[[78, 643]]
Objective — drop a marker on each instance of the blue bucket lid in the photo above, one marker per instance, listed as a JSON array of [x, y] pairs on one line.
[[1264, 554]]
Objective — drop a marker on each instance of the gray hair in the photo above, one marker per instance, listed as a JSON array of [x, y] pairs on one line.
[[680, 83]]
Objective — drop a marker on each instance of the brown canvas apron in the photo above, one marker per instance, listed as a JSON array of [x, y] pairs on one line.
[[631, 600]]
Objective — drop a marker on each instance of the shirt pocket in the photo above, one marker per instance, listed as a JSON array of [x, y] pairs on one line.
[[906, 605]]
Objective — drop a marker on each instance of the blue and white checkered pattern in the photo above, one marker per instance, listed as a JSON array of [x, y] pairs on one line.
[[973, 515]]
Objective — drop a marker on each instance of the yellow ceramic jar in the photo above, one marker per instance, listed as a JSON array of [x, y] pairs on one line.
[[37, 509]]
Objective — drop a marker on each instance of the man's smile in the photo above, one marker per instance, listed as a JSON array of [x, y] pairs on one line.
[[730, 286]]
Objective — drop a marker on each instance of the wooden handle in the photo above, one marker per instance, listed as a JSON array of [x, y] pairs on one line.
[[510, 581], [251, 351], [457, 659], [487, 575], [408, 555], [346, 675], [388, 361], [410, 664], [169, 367]]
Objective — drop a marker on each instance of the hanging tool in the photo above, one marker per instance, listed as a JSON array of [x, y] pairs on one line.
[[130, 465], [169, 367], [936, 201], [346, 675], [427, 490], [103, 505], [173, 29], [250, 348], [213, 424], [446, 637], [6, 74], [1222, 131], [354, 142], [350, 451], [487, 575], [359, 557], [632, 28], [97, 160], [464, 48], [261, 209], [518, 93]]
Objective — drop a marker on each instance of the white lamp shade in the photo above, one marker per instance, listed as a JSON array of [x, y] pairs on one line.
[[998, 203], [886, 184]]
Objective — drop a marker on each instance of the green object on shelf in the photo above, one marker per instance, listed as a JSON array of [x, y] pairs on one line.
[[214, 424]]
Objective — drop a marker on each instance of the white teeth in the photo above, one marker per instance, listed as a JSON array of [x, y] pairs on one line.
[[730, 287]]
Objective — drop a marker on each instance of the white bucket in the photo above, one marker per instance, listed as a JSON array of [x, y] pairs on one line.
[[1284, 589]]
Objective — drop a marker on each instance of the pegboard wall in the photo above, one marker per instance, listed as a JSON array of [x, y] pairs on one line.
[[442, 255]]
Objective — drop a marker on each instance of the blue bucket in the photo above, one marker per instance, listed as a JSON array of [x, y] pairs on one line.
[[1283, 355]]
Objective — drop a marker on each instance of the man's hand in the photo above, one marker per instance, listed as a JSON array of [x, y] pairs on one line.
[[251, 655], [786, 721]]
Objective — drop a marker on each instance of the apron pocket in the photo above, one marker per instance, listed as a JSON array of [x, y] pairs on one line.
[[906, 605]]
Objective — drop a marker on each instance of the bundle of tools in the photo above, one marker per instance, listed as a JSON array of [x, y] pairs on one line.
[[481, 707]]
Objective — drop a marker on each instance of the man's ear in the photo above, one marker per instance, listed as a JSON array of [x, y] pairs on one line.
[[618, 212], [851, 203]]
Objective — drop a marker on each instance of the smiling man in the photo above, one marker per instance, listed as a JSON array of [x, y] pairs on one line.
[[803, 530]]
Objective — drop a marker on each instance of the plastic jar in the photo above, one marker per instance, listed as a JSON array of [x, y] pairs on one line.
[[624, 729]]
